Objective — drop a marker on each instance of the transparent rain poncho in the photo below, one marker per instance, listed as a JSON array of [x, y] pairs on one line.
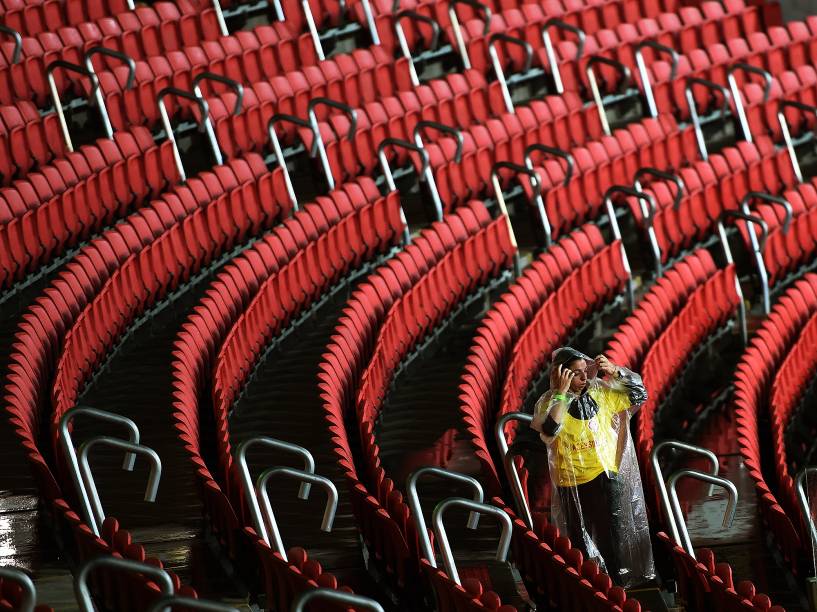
[[597, 498]]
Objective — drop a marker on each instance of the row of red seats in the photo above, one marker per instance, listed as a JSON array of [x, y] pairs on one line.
[[790, 246], [792, 379], [30, 18], [706, 584], [211, 226], [706, 310], [501, 327], [195, 353], [529, 17], [43, 232], [241, 55], [703, 584], [355, 240], [40, 144], [561, 573], [775, 50], [658, 307], [753, 379], [30, 143], [546, 559], [605, 278], [590, 15], [218, 222], [348, 353], [611, 160], [690, 28], [261, 133], [689, 204], [53, 179], [146, 31], [572, 195], [40, 337], [408, 321], [139, 103]]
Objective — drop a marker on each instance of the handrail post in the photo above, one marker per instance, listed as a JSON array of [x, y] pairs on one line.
[[731, 506], [83, 592], [662, 486], [442, 536], [510, 467], [28, 597], [67, 444], [417, 511], [246, 480], [305, 477], [341, 597], [139, 449]]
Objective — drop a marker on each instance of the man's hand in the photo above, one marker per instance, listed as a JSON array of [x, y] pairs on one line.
[[560, 379], [606, 366]]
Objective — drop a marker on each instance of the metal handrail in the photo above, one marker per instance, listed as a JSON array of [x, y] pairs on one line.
[[305, 477], [522, 506], [83, 592], [729, 513], [536, 147], [55, 95], [429, 175], [550, 51], [757, 248], [100, 99], [237, 87], [318, 146], [784, 127], [771, 200], [648, 210], [500, 73], [594, 86], [18, 42], [279, 153], [442, 537], [426, 169], [693, 109], [313, 29], [403, 43], [167, 602], [537, 201], [662, 486], [249, 489], [680, 188], [417, 512], [744, 328], [153, 478], [67, 444], [28, 596], [299, 605], [642, 70], [736, 97], [802, 499], [204, 125], [455, 26], [616, 230]]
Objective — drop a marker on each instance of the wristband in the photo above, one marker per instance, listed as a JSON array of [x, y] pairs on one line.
[[560, 396]]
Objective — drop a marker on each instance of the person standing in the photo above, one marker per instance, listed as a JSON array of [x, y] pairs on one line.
[[597, 498]]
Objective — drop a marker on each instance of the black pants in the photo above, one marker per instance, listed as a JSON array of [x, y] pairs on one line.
[[600, 503]]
